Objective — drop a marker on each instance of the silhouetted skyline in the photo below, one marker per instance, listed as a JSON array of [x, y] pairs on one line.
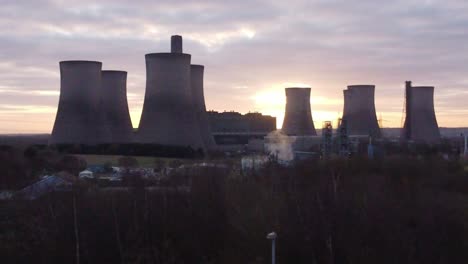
[[252, 50]]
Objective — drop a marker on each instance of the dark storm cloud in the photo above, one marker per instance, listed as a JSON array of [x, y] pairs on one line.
[[256, 45]]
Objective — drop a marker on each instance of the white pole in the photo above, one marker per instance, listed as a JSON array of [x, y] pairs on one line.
[[273, 248], [272, 236]]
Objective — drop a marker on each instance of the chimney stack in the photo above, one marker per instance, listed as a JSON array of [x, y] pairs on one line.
[[176, 44]]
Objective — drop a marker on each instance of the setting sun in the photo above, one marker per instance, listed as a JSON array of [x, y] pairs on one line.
[[272, 102]]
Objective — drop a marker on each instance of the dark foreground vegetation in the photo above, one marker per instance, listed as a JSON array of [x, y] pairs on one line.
[[134, 149], [400, 210], [20, 165]]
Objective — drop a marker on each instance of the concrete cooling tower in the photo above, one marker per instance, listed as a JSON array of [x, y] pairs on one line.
[[359, 110], [298, 116], [115, 106], [168, 116], [199, 105], [79, 118], [420, 121]]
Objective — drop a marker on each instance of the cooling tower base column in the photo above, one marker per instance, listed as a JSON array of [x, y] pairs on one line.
[[78, 119], [298, 117]]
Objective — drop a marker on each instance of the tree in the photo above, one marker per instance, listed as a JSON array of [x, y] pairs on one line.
[[175, 163], [158, 165], [72, 164], [14, 169]]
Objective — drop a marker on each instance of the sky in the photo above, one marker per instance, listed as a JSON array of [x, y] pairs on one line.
[[251, 50]]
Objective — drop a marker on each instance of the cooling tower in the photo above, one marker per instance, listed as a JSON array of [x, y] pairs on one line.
[[359, 110], [298, 116], [168, 115], [199, 105], [420, 121], [115, 106], [79, 119]]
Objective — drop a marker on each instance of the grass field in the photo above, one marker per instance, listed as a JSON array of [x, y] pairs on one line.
[[113, 160]]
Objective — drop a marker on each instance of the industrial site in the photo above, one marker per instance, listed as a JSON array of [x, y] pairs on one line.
[[93, 110], [191, 185], [233, 132]]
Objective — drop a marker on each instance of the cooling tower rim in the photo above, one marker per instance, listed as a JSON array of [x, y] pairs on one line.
[[167, 55], [422, 87], [361, 86], [297, 88], [197, 66], [114, 71], [80, 62]]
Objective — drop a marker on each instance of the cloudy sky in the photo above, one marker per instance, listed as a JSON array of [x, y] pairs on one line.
[[252, 49]]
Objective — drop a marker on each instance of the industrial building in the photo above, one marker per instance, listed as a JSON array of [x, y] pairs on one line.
[[359, 111], [115, 106], [298, 115], [196, 76], [80, 119], [233, 128], [169, 116], [420, 119], [93, 109]]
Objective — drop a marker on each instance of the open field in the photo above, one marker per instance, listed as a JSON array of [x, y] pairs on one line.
[[113, 160]]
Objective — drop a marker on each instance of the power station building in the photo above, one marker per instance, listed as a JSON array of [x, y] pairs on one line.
[[233, 128], [93, 108], [80, 119], [169, 116], [359, 111], [115, 106], [420, 120], [298, 116]]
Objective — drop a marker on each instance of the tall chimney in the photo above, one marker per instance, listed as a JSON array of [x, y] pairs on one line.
[[176, 44], [408, 84]]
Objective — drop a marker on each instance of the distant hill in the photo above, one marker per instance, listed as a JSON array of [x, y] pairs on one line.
[[24, 139]]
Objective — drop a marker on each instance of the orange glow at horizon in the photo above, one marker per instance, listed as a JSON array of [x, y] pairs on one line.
[[272, 102], [269, 101]]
